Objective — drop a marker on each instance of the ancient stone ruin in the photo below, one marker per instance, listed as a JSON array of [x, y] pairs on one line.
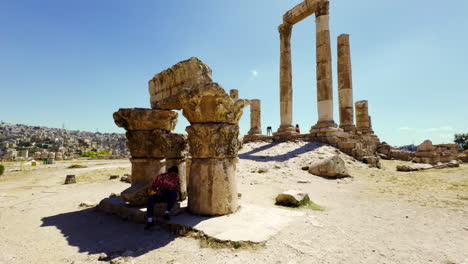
[[212, 142], [356, 140], [433, 154]]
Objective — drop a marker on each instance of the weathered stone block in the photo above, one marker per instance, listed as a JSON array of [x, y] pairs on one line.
[[212, 187], [146, 170], [156, 144], [292, 198], [213, 140], [137, 194], [333, 167], [145, 119], [185, 74]]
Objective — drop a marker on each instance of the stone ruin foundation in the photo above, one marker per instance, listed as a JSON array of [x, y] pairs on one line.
[[357, 140], [433, 154], [211, 145]]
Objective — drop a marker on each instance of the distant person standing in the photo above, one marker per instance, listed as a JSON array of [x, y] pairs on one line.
[[297, 129], [166, 186], [269, 131]]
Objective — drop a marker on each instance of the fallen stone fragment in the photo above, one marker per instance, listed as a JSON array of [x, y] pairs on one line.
[[113, 177], [137, 194], [292, 198], [333, 167], [125, 179], [414, 167], [70, 179]]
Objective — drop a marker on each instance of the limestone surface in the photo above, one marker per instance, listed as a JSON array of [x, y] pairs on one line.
[[145, 170], [333, 167], [292, 198], [213, 140], [70, 179], [156, 144], [212, 187], [137, 194], [185, 74], [145, 119], [209, 103]]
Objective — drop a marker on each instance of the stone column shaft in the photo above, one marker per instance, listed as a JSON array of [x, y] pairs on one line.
[[345, 84], [285, 79], [324, 70], [363, 122], [255, 117]]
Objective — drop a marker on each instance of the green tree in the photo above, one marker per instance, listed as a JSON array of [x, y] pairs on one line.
[[462, 141], [2, 169]]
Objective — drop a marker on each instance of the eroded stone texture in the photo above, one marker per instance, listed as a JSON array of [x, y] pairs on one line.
[[185, 74], [137, 194], [292, 198], [432, 154], [286, 126], [363, 123], [145, 170], [324, 69], [212, 187], [345, 84], [385, 151], [333, 167], [209, 103], [255, 117], [234, 94], [145, 119], [157, 144], [213, 140]]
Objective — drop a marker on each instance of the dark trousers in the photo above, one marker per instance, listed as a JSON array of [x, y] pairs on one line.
[[165, 196]]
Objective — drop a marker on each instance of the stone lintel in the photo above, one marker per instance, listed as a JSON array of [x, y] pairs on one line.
[[303, 10]]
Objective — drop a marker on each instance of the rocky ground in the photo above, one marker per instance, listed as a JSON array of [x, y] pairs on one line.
[[377, 216]]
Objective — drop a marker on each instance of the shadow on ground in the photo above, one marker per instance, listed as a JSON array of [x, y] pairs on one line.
[[281, 158], [94, 232]]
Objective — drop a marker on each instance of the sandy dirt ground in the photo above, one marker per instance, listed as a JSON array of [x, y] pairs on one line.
[[377, 216]]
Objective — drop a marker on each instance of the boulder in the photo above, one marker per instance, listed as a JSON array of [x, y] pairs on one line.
[[145, 119], [292, 198], [70, 179], [333, 167], [137, 194]]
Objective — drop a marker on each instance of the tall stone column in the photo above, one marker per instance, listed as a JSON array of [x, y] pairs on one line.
[[363, 121], [286, 126], [213, 139], [255, 118], [345, 84], [324, 69], [234, 94]]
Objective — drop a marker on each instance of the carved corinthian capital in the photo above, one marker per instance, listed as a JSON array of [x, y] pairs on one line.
[[322, 8]]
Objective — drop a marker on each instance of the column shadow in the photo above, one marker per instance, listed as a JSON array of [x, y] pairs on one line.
[[281, 158], [94, 232]]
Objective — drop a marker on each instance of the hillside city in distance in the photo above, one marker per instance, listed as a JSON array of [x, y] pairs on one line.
[[21, 143]]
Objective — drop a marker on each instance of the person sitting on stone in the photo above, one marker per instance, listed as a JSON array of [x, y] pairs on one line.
[[165, 186], [297, 129]]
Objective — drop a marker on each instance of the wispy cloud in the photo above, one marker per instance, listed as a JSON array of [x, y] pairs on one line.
[[432, 129], [254, 73], [438, 129], [405, 128]]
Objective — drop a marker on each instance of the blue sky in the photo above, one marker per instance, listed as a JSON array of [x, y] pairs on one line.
[[76, 62]]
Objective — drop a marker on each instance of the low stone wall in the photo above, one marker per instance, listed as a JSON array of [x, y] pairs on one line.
[[432, 154], [386, 151]]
